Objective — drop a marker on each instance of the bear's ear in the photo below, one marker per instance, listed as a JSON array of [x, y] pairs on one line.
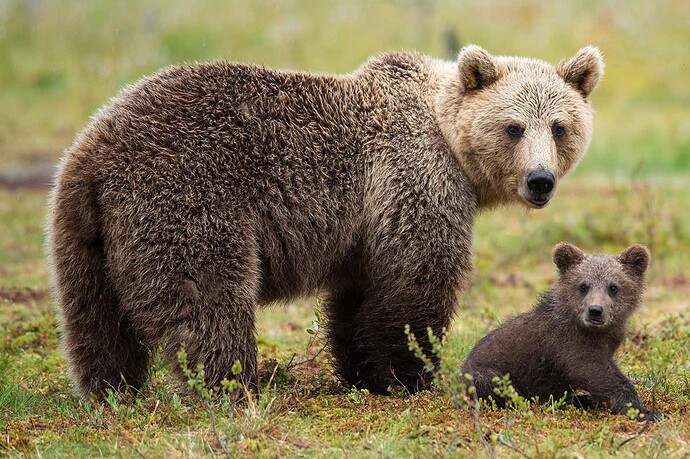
[[477, 68], [565, 256], [635, 259], [583, 71]]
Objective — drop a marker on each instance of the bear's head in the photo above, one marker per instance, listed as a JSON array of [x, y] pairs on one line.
[[599, 292], [517, 125]]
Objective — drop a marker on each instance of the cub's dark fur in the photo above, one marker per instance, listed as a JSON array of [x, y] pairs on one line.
[[567, 342]]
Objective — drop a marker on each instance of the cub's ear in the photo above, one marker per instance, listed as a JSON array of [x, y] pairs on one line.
[[477, 68], [635, 259], [565, 256], [583, 71]]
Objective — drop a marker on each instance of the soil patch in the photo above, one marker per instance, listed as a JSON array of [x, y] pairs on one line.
[[38, 178], [23, 296]]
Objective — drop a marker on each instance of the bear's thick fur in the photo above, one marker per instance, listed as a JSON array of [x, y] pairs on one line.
[[567, 342], [203, 192]]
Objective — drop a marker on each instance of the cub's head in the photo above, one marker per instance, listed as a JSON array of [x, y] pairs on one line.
[[599, 292], [518, 125]]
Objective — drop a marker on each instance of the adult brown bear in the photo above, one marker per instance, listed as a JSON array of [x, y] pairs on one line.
[[203, 192]]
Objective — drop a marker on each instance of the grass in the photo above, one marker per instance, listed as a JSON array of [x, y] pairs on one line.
[[307, 413], [61, 59]]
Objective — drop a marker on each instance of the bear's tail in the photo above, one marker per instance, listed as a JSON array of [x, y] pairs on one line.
[[102, 349]]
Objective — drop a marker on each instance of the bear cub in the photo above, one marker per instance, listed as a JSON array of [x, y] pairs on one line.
[[567, 342]]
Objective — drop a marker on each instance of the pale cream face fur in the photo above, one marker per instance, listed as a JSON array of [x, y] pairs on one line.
[[508, 117]]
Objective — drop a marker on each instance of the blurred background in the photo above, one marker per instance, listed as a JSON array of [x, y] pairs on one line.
[[62, 59]]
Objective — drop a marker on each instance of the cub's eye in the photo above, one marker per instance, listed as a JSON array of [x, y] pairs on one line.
[[558, 131], [584, 288], [515, 131], [613, 289]]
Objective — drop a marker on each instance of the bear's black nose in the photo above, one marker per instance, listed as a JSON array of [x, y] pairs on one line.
[[596, 311], [540, 182]]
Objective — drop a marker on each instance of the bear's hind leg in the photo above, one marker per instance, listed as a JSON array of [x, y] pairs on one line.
[[103, 350], [102, 346], [217, 339], [218, 326]]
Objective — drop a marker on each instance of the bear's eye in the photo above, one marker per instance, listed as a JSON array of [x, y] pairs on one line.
[[584, 288], [515, 131], [558, 131], [613, 289]]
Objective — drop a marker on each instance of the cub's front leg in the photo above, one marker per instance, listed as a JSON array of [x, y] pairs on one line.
[[607, 383]]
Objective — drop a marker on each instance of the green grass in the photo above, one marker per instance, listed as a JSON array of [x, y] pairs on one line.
[[62, 59], [306, 413]]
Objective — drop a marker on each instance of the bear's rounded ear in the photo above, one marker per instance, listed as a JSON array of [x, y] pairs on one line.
[[584, 70], [635, 259], [477, 68], [565, 256]]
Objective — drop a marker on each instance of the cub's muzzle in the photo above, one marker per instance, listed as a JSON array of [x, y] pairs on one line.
[[595, 316]]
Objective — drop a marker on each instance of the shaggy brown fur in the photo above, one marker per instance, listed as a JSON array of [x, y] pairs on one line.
[[203, 192], [567, 342]]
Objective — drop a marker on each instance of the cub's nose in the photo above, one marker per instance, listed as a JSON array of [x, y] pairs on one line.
[[540, 182], [595, 311]]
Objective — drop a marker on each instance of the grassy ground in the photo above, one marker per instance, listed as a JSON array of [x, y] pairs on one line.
[[305, 413], [61, 59]]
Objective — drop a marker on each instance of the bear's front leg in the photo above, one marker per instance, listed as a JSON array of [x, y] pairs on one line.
[[625, 397], [380, 357], [416, 253], [606, 382]]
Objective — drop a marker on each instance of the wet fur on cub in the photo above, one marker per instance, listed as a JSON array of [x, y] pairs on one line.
[[567, 342]]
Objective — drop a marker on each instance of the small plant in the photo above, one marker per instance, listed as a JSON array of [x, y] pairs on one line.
[[315, 331], [227, 393], [462, 393], [312, 350], [358, 396], [436, 348], [504, 390], [317, 321]]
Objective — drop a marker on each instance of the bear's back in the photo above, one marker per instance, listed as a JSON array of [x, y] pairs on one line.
[[219, 148]]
